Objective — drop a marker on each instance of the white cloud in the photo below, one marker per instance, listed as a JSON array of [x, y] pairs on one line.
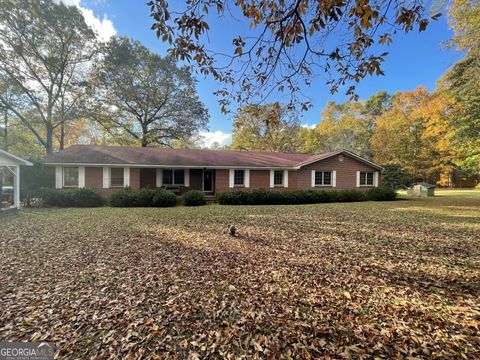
[[103, 27], [217, 136], [309, 126]]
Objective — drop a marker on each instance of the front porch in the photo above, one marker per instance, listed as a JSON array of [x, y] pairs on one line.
[[178, 180]]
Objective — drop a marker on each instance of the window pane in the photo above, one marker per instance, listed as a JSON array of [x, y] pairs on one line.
[[179, 177], [238, 177], [278, 177], [363, 178], [167, 177], [116, 176], [70, 176], [327, 178], [370, 178], [318, 178]]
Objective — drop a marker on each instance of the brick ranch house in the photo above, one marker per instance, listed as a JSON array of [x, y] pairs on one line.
[[109, 168]]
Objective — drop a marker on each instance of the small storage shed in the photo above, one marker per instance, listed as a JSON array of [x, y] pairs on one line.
[[10, 195], [423, 189]]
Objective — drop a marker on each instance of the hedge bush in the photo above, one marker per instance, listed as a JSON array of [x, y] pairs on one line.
[[142, 198], [83, 197], [273, 197], [382, 194], [164, 198], [193, 198]]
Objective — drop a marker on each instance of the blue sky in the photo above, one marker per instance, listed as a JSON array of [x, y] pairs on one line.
[[414, 59]]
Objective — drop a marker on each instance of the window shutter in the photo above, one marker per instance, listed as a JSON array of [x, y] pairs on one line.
[[106, 177], [272, 174], [58, 177], [126, 176], [358, 178], [81, 176], [231, 173], [285, 178], [159, 178], [187, 177], [334, 178], [247, 178], [375, 179], [313, 178]]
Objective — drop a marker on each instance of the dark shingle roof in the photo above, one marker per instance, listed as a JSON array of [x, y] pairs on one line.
[[124, 155], [92, 154]]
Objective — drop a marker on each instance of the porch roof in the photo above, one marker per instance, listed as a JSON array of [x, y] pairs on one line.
[[7, 159]]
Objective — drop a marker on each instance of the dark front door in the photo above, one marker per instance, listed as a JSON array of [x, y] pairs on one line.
[[148, 178], [208, 181]]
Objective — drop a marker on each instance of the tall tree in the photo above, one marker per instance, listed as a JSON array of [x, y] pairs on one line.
[[45, 49], [347, 126], [144, 97], [399, 135], [286, 42], [462, 82], [270, 127]]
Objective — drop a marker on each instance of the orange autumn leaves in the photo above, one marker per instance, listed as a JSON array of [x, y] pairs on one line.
[[416, 132]]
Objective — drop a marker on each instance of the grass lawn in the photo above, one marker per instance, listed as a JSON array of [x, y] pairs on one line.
[[330, 280]]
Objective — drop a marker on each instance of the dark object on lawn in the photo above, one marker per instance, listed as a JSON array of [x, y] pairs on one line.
[[232, 230]]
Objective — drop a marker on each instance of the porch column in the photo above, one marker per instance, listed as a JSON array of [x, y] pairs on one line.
[[16, 189]]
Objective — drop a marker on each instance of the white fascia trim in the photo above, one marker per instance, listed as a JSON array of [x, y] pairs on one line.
[[16, 158], [178, 166]]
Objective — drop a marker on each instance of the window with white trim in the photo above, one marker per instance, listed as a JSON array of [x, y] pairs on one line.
[[116, 177], [239, 177], [278, 178], [323, 178], [172, 177], [366, 178], [70, 176]]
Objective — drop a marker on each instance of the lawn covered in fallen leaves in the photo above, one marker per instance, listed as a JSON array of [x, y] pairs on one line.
[[329, 280]]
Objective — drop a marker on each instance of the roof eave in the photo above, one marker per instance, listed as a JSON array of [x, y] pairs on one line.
[[160, 166]]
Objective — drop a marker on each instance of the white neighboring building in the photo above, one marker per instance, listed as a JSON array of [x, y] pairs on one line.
[[12, 163]]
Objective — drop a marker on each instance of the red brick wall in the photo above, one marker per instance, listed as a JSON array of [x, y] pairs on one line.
[[221, 180], [94, 179], [196, 176], [346, 173], [301, 179], [258, 179], [134, 178]]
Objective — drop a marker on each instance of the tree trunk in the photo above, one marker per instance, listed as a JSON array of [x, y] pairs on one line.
[[5, 130], [49, 139], [62, 136]]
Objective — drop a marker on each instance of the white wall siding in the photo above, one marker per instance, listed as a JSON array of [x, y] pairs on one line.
[[81, 176], [58, 177], [126, 176], [187, 177], [231, 174], [106, 177], [159, 180]]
